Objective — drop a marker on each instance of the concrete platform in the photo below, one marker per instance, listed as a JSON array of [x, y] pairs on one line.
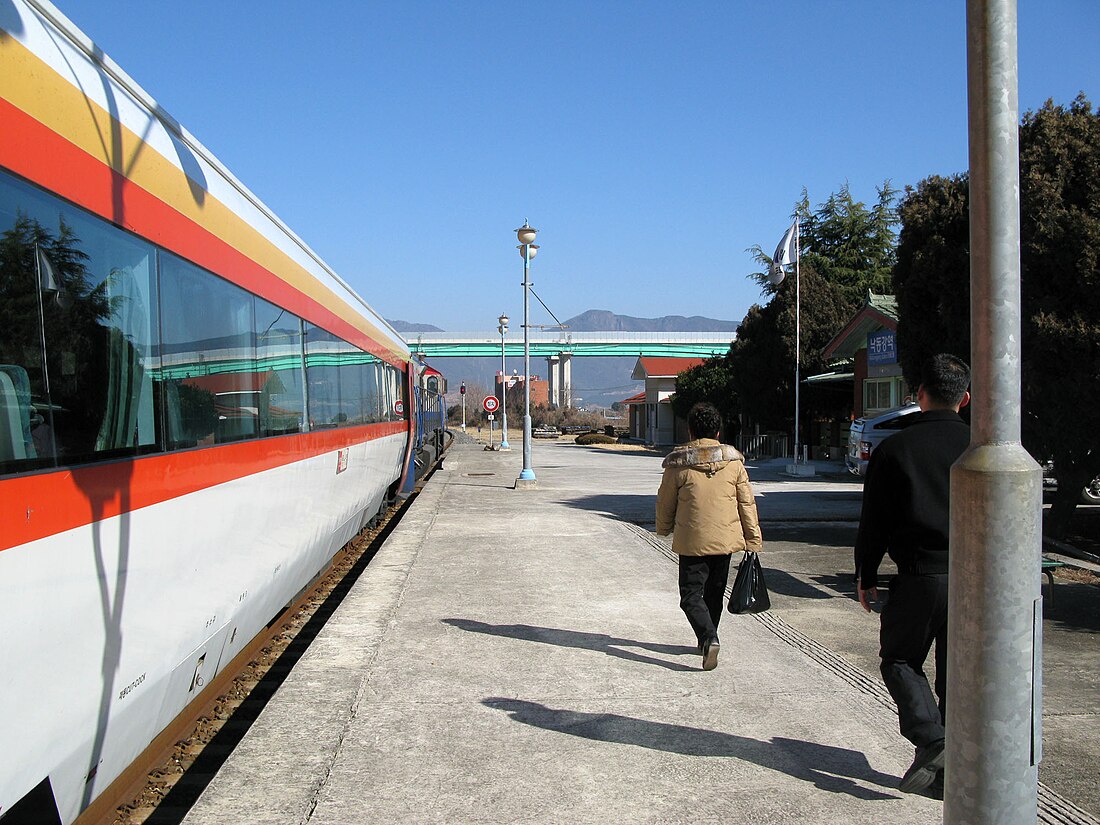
[[521, 657]]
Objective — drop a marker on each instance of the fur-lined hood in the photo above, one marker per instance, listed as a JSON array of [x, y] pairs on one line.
[[704, 454]]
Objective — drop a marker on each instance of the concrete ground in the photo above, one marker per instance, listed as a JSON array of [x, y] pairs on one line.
[[520, 656]]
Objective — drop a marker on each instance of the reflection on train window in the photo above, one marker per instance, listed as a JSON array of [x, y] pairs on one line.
[[343, 384], [390, 377], [322, 377], [281, 397], [77, 335], [111, 347], [370, 400], [210, 380]]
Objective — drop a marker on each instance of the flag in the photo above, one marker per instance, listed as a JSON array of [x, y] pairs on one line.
[[48, 281], [784, 254]]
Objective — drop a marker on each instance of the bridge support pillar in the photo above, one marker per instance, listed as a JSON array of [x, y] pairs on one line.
[[566, 376], [559, 379], [553, 381]]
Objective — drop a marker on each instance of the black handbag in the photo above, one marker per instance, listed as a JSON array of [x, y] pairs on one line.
[[749, 594]]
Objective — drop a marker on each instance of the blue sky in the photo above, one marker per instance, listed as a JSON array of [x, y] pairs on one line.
[[651, 143]]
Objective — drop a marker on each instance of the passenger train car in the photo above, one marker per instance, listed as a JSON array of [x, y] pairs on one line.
[[196, 414]]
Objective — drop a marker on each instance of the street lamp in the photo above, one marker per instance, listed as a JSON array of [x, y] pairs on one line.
[[527, 249], [503, 330]]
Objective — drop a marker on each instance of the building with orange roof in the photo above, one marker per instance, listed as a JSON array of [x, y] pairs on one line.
[[656, 421]]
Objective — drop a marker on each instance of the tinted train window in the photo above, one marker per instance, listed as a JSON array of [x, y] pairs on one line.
[[281, 400], [343, 384], [210, 381], [102, 358], [322, 377], [78, 334], [354, 385], [373, 398]]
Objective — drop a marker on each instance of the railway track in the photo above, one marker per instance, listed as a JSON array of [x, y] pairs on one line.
[[164, 782]]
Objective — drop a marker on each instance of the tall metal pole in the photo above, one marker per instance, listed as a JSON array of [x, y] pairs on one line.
[[797, 340], [994, 690], [527, 474], [504, 445]]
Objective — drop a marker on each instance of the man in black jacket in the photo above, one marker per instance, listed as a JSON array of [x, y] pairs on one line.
[[906, 513]]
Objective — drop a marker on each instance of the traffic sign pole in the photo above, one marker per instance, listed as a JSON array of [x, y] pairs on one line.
[[490, 405]]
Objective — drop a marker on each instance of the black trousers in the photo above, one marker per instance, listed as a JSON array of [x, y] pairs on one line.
[[702, 592], [915, 617]]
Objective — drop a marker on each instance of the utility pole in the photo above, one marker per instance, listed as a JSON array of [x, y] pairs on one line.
[[994, 659]]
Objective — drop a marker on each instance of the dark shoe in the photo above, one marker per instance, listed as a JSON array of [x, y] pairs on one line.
[[935, 790], [710, 653], [922, 773]]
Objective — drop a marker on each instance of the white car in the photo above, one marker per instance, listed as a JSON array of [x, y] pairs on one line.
[[1090, 493], [868, 433]]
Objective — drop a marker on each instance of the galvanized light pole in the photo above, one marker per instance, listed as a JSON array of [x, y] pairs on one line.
[[994, 659], [503, 330], [527, 249]]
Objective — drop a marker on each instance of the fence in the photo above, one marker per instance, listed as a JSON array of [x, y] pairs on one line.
[[756, 447]]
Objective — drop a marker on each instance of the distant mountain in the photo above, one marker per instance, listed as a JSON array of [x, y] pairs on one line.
[[405, 326], [602, 320]]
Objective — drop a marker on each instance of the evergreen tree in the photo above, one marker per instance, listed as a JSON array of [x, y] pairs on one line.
[[1060, 286], [845, 250], [1060, 262], [710, 381], [850, 246], [932, 275], [762, 358]]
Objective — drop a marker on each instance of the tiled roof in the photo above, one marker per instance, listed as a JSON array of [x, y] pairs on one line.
[[886, 304], [650, 366], [878, 312]]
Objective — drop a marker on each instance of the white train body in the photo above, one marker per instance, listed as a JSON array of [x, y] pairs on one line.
[[206, 416]]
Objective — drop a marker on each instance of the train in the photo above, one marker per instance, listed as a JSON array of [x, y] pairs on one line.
[[196, 415]]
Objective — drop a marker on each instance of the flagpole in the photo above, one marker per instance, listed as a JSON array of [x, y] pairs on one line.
[[42, 337], [797, 337]]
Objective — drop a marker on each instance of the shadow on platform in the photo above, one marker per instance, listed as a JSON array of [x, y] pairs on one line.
[[790, 756], [600, 642]]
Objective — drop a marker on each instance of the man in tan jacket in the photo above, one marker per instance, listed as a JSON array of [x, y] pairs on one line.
[[706, 502]]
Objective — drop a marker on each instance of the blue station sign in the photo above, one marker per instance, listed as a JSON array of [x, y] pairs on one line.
[[882, 347]]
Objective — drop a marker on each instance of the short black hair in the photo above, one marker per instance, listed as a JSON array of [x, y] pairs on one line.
[[704, 420], [945, 379]]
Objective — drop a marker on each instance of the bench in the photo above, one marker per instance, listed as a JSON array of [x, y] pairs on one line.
[[1048, 567]]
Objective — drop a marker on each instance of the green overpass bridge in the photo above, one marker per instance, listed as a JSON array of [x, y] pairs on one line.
[[546, 343]]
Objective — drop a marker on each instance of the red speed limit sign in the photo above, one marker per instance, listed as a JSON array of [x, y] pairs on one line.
[[490, 403]]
